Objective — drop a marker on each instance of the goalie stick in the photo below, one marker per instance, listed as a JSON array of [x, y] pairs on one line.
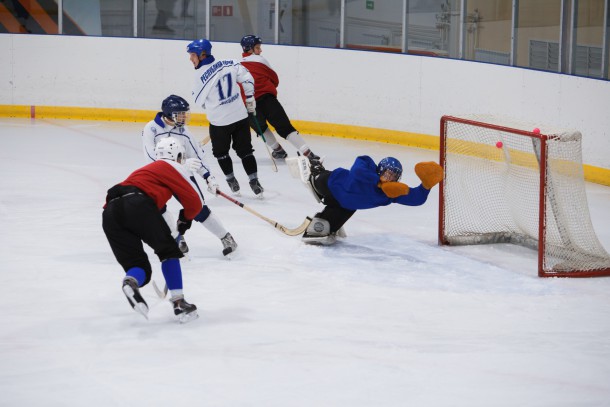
[[287, 231]]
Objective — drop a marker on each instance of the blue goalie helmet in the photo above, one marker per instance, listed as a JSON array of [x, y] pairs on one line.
[[176, 109], [199, 46], [392, 165], [249, 41]]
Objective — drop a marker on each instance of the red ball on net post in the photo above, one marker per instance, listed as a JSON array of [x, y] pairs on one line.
[[536, 131], [499, 144]]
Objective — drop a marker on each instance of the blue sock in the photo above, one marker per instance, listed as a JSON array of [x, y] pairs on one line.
[[137, 273], [172, 273]]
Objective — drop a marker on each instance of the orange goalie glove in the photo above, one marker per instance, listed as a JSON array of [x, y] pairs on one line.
[[394, 189], [430, 173]]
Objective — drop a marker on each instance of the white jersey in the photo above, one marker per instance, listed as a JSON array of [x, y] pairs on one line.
[[157, 129], [217, 91]]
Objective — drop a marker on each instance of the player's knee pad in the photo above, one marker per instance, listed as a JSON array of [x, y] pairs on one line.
[[203, 214], [318, 227], [245, 153]]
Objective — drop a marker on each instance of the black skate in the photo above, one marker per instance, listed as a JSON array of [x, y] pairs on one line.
[[234, 185], [309, 154], [229, 244], [279, 153], [256, 186], [184, 311], [132, 292]]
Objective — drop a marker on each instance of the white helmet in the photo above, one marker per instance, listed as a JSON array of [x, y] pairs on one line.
[[169, 148]]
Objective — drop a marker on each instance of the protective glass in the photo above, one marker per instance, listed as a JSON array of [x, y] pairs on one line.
[[181, 118], [389, 176]]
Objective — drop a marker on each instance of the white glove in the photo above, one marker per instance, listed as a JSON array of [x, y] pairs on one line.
[[193, 164], [212, 185], [251, 104]]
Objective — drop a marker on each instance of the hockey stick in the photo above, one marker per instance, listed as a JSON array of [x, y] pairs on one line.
[[161, 294], [205, 141], [290, 232], [260, 133]]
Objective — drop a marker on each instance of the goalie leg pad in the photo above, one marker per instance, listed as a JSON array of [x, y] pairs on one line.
[[318, 227], [299, 167]]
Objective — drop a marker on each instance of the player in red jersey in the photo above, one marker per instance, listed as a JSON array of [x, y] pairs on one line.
[[132, 215], [268, 107]]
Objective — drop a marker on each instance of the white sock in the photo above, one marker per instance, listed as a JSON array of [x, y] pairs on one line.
[[176, 294], [270, 139], [296, 140], [212, 223]]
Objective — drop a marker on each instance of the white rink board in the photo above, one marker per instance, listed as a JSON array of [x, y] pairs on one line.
[[379, 90]]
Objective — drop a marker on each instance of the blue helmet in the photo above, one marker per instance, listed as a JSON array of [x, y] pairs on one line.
[[390, 164], [200, 46], [249, 41], [176, 109]]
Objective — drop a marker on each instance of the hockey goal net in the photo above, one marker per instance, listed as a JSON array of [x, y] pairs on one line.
[[506, 182]]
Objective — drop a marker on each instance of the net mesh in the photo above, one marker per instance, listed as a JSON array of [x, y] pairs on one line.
[[491, 193]]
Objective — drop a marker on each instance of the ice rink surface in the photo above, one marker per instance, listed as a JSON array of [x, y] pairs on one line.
[[384, 318]]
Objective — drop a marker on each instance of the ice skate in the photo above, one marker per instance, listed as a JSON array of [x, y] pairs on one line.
[[326, 240], [279, 153], [311, 156], [229, 244], [184, 311], [234, 185], [318, 233], [257, 188], [132, 292]]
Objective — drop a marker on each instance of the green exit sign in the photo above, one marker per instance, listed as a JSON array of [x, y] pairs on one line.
[[370, 5]]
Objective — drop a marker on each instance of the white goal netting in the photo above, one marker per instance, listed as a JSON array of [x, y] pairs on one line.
[[497, 173]]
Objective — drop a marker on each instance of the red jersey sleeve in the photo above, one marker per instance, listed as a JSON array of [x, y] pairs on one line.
[[161, 179]]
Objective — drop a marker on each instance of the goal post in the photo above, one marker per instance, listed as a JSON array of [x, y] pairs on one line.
[[507, 182]]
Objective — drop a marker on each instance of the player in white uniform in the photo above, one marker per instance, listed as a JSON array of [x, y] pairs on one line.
[[217, 91], [171, 122]]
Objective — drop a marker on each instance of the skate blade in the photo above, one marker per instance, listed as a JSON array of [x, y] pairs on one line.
[[320, 241], [141, 309], [185, 318]]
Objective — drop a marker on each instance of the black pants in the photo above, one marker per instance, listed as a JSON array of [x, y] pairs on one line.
[[236, 135], [130, 218], [269, 109], [333, 212]]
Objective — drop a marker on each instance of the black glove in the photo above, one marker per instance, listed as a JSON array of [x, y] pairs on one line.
[[183, 223]]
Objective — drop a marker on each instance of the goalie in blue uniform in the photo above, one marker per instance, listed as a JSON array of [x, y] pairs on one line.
[[364, 186]]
